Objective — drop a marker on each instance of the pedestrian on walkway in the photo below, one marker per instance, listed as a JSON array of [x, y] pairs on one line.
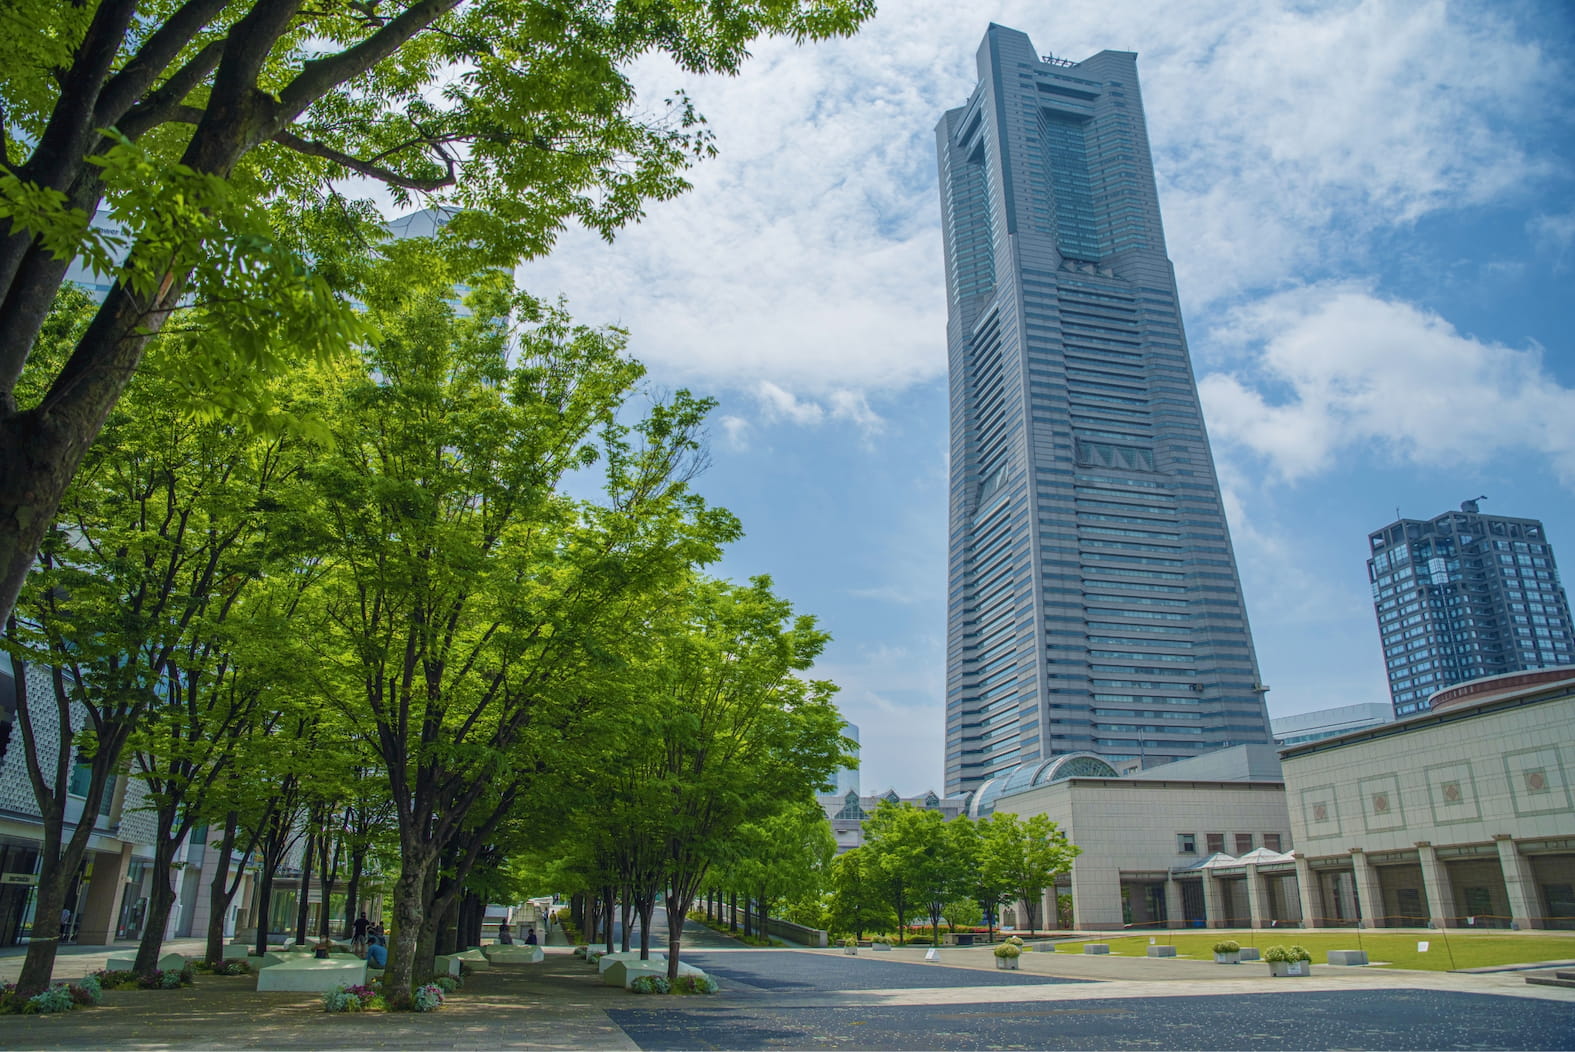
[[359, 930]]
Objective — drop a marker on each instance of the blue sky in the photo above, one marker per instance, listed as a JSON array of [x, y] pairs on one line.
[[1371, 209]]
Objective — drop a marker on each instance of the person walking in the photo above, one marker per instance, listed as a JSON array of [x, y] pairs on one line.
[[358, 931]]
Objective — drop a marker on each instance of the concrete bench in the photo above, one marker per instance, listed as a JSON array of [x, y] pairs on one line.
[[311, 975], [1248, 953], [474, 959], [516, 954], [446, 964], [622, 973], [607, 960], [1162, 951], [236, 952], [1347, 956], [1096, 947], [125, 964]]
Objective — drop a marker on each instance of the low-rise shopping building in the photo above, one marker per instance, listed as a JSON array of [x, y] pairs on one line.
[[1461, 816]]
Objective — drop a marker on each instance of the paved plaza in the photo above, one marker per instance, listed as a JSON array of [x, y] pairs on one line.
[[792, 998]]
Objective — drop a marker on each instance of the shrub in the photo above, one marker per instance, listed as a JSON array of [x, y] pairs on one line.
[[881, 940], [120, 979], [1227, 946], [232, 966], [428, 998], [695, 984], [448, 983], [1008, 950], [650, 984], [850, 941], [54, 999], [1286, 954], [581, 951], [92, 988], [341, 1000]]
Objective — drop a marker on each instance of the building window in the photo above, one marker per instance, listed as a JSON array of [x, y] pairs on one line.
[[1187, 843], [1271, 841], [1243, 843], [1215, 842]]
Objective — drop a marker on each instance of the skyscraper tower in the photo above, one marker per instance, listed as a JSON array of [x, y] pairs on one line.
[[1094, 604], [1463, 596]]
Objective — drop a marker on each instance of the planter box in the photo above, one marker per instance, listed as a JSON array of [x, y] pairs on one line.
[[1007, 964], [851, 951], [1228, 958], [881, 947], [1282, 969]]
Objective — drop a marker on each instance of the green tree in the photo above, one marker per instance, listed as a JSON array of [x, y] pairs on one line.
[[785, 855], [161, 536], [740, 733], [215, 130], [858, 902], [1025, 856], [470, 604], [924, 861]]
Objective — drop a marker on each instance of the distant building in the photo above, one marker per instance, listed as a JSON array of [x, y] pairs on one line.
[[847, 778], [1094, 604], [847, 811], [1326, 723], [1463, 596]]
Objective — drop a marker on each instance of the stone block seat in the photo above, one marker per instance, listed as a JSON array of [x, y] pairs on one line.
[[166, 962], [1096, 947], [1249, 953], [622, 973], [311, 975], [446, 964], [516, 954], [474, 959], [236, 951], [1347, 956], [1162, 951]]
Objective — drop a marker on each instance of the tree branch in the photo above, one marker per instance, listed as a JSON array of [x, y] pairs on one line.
[[320, 76], [125, 88], [159, 105], [367, 168]]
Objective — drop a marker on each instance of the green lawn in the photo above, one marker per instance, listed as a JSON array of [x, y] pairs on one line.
[[1446, 951]]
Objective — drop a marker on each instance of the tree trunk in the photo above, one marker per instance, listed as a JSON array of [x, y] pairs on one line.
[[763, 928], [1031, 907], [160, 899], [732, 911], [647, 907], [306, 892], [445, 929], [221, 891], [353, 889], [677, 910], [625, 909], [409, 896], [607, 911], [330, 872]]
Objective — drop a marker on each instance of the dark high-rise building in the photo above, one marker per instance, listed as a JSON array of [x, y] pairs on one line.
[[1094, 604], [1463, 596]]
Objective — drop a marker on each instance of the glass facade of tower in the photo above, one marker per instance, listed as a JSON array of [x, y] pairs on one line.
[[1463, 596], [1094, 604]]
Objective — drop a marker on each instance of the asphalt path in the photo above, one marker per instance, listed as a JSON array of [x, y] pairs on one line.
[[1368, 1019]]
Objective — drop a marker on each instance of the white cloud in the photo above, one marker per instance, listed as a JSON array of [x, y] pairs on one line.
[[808, 255], [1553, 234], [736, 429], [1333, 368], [778, 404]]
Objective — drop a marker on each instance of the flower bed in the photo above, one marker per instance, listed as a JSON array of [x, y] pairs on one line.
[[62, 997]]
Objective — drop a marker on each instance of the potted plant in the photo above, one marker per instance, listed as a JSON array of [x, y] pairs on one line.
[[1227, 951], [1288, 960], [850, 946], [881, 942], [1006, 955]]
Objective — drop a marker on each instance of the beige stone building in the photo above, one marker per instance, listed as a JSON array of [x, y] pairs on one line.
[[1462, 816]]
